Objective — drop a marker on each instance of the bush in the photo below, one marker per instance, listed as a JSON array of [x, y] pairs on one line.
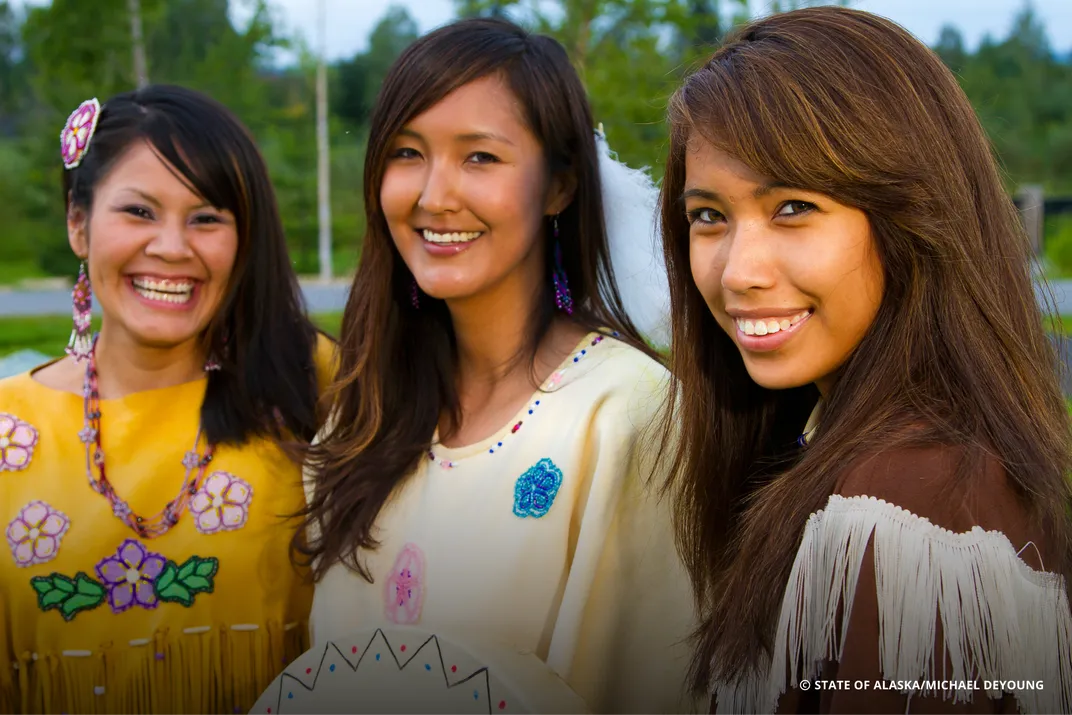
[[1058, 245]]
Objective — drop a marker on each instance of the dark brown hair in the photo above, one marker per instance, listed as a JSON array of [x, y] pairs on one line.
[[261, 334], [397, 367], [850, 105]]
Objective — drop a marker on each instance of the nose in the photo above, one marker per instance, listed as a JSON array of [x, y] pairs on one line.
[[170, 243], [440, 191], [749, 258]]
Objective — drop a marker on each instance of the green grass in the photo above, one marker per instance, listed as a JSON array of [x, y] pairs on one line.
[[49, 334]]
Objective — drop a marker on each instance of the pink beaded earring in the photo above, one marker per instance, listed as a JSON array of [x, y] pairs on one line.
[[81, 342]]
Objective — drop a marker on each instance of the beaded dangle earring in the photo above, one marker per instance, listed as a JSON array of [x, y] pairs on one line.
[[563, 299], [414, 294], [81, 343]]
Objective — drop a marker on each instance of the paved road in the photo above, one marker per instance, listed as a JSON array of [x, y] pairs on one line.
[[320, 299]]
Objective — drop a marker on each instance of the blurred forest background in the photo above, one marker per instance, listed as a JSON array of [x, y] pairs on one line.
[[631, 53]]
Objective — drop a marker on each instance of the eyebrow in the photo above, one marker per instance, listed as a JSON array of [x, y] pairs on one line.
[[758, 193], [468, 137], [152, 200]]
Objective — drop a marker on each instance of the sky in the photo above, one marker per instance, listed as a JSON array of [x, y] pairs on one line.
[[350, 21]]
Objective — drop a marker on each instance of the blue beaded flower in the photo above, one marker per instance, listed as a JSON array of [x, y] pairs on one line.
[[536, 489]]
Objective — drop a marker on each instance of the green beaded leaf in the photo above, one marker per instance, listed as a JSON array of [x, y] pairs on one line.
[[207, 568], [179, 584], [166, 578], [69, 596]]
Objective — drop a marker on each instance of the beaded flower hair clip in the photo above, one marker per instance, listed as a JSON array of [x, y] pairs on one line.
[[77, 133]]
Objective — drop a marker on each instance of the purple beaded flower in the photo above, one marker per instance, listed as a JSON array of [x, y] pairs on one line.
[[77, 133], [130, 575]]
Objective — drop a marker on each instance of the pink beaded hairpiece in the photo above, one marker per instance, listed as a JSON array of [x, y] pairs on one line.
[[77, 133]]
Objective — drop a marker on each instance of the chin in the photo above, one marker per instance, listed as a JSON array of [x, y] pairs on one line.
[[777, 377]]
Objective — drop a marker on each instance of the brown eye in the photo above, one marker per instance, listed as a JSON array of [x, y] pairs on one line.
[[795, 208]]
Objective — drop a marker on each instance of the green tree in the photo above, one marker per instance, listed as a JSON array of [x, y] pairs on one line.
[[358, 80]]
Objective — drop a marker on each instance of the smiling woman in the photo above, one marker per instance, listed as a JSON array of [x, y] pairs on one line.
[[840, 245], [143, 476], [484, 470]]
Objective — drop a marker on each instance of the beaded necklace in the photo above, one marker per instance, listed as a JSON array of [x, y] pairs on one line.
[[90, 435], [551, 383]]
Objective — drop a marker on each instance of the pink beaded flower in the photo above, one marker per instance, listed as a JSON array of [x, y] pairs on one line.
[[17, 442], [35, 534], [77, 133], [403, 592], [222, 503]]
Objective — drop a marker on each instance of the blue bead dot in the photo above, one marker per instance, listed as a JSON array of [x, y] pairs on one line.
[[530, 412], [476, 695], [332, 668], [537, 402], [576, 359], [499, 445], [377, 656], [290, 695], [427, 667], [491, 451], [584, 352]]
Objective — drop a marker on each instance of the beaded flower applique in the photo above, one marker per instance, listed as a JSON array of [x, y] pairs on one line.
[[133, 576], [536, 489], [404, 591], [222, 503], [17, 442], [34, 535]]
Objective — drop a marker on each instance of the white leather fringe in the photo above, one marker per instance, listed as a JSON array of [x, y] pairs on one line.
[[1001, 619]]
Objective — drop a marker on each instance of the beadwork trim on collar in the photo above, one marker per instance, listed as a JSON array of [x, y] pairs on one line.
[[813, 424], [549, 385]]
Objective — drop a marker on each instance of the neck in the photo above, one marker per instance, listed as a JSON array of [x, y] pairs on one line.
[[125, 367], [488, 337]]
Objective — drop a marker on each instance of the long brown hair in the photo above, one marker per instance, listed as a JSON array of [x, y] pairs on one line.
[[850, 105], [397, 368]]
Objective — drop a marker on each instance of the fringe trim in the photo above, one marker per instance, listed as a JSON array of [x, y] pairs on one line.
[[1001, 619], [217, 669]]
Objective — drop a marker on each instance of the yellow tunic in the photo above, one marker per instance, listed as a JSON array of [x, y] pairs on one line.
[[94, 620]]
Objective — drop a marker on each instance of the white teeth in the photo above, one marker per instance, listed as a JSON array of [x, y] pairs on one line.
[[462, 237], [771, 325], [164, 286], [178, 293]]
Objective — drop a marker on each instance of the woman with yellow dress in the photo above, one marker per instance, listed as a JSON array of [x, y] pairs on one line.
[[145, 477]]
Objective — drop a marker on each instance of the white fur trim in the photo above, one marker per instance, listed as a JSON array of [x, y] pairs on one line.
[[631, 215], [1014, 626]]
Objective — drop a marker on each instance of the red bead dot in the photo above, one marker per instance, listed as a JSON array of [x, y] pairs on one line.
[[269, 710], [454, 669], [403, 649], [502, 704], [308, 670], [354, 649]]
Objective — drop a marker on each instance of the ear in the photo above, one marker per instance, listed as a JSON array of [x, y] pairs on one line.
[[560, 195], [78, 231]]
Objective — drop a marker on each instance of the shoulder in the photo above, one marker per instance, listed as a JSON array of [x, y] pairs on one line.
[[326, 359], [628, 382], [956, 488]]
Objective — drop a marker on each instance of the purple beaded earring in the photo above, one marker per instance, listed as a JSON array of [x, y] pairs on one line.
[[81, 342], [563, 299], [414, 294]]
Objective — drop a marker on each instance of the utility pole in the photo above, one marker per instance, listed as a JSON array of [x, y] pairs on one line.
[[141, 72], [323, 157]]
